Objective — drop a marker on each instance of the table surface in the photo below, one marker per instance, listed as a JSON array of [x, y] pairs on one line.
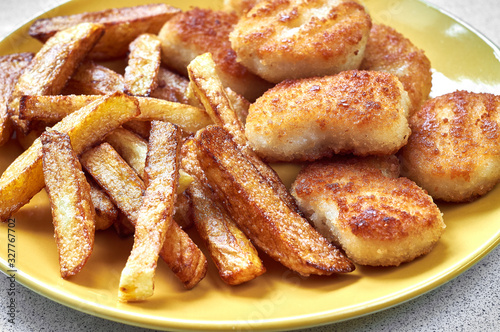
[[470, 302]]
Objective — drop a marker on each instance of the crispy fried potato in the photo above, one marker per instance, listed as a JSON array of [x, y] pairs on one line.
[[53, 65], [71, 205], [260, 213], [141, 128], [11, 67], [106, 212], [131, 147], [209, 90], [234, 255], [122, 26], [189, 118], [141, 73], [155, 214], [91, 78], [171, 86], [87, 126]]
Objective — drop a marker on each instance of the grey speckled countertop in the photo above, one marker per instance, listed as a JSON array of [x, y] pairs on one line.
[[470, 302]]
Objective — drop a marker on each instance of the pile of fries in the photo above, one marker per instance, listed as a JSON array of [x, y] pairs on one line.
[[149, 153]]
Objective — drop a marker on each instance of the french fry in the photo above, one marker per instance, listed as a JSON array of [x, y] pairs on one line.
[[260, 213], [91, 78], [87, 126], [11, 67], [189, 118], [125, 189], [106, 212], [171, 86], [155, 214], [53, 65], [141, 73], [131, 147], [122, 26], [70, 201], [141, 128], [209, 89], [234, 255]]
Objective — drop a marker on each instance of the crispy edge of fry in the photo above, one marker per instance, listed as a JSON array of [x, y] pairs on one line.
[[131, 147], [171, 86], [141, 72], [24, 177], [71, 204], [209, 89], [155, 214], [106, 212], [93, 79], [259, 212], [234, 255], [53, 65]]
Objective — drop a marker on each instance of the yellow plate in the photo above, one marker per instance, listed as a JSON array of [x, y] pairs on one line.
[[279, 299]]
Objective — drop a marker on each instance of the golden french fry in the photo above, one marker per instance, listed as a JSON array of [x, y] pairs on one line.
[[189, 118], [234, 255], [131, 147], [53, 65], [141, 128], [70, 201], [106, 212], [24, 177], [122, 26], [141, 73], [183, 210], [11, 67], [171, 86], [91, 78], [260, 213], [209, 89], [155, 214]]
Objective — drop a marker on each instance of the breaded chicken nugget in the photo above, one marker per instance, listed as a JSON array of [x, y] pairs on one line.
[[454, 149], [285, 39], [359, 112], [198, 31], [388, 50], [377, 220]]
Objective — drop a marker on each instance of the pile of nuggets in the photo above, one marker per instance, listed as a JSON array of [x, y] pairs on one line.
[[213, 97]]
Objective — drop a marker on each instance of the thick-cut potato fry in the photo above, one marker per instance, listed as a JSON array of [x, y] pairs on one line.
[[71, 205], [210, 91], [91, 78], [189, 118], [106, 212], [54, 64], [125, 189], [141, 73], [171, 86], [122, 26], [11, 67], [155, 214], [259, 212], [24, 177], [234, 255], [131, 147], [141, 128]]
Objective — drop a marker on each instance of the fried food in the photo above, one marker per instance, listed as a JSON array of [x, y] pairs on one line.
[[280, 40], [234, 255], [131, 147], [11, 67], [155, 215], [376, 219], [70, 201], [86, 127], [171, 86], [198, 31], [454, 149], [53, 65], [359, 112], [106, 212], [122, 26], [240, 7], [260, 213], [91, 78], [141, 73], [388, 50]]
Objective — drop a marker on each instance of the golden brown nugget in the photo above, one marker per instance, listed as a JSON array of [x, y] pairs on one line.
[[377, 220], [86, 127], [234, 255], [155, 214], [454, 149], [260, 213], [91, 78], [53, 65], [290, 39], [199, 31], [359, 112], [388, 50], [11, 67], [71, 205], [122, 26], [141, 73]]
